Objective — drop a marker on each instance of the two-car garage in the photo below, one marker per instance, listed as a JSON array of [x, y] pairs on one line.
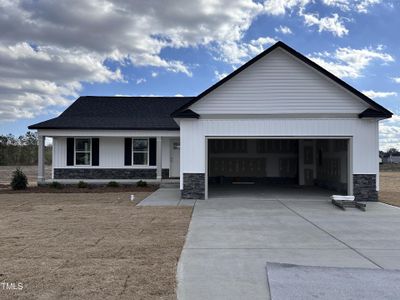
[[266, 165]]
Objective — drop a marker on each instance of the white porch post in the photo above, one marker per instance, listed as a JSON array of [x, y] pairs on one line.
[[41, 178], [159, 158]]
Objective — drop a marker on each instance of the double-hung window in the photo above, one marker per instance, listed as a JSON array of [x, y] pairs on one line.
[[140, 152], [83, 151]]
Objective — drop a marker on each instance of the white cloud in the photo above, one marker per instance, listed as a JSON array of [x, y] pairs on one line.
[[71, 42], [348, 62], [389, 133], [219, 75], [280, 7], [283, 29], [396, 79], [140, 80], [331, 24], [363, 6], [360, 6], [374, 94], [154, 74], [237, 53]]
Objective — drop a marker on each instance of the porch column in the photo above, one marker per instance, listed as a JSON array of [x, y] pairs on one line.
[[41, 178], [159, 158]]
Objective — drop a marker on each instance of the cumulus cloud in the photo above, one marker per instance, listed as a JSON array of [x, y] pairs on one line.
[[349, 62], [219, 75], [375, 95], [49, 48], [332, 24], [280, 7], [237, 53], [360, 6], [389, 133], [396, 79], [283, 29]]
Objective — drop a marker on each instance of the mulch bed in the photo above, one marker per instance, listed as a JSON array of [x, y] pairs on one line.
[[6, 189]]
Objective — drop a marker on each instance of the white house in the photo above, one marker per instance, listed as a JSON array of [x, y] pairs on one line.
[[278, 119]]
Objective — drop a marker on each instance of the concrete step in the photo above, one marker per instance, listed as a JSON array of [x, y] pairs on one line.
[[170, 185]]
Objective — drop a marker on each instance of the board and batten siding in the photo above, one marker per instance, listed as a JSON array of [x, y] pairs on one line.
[[364, 135], [279, 83], [111, 153]]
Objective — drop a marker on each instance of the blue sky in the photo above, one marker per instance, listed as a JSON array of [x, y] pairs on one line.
[[50, 53]]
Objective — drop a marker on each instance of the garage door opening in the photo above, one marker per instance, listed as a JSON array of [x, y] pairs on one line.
[[269, 166]]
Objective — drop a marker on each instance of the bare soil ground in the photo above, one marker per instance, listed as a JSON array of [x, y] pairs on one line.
[[30, 172], [390, 187], [89, 246]]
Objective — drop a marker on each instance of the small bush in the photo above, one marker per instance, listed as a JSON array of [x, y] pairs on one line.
[[113, 184], [56, 185], [141, 183], [19, 180], [82, 185]]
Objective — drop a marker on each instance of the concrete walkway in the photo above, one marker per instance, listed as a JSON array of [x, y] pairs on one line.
[[166, 197], [230, 241]]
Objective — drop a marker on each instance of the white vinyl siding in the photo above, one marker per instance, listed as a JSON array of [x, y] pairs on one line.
[[363, 134], [279, 83]]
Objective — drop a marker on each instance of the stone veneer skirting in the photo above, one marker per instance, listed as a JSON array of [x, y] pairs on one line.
[[364, 187], [193, 186], [98, 173]]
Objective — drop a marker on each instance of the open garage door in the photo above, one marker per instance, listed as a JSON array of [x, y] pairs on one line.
[[264, 167]]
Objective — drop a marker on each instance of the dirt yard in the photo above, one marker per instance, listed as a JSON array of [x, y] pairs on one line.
[[390, 188], [89, 246]]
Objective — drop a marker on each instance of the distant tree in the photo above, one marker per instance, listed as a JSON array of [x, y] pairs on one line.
[[22, 150], [393, 151]]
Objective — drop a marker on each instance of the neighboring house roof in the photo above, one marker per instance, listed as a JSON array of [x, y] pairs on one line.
[[135, 113], [376, 110]]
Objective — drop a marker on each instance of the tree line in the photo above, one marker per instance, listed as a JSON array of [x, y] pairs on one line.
[[389, 152], [22, 150]]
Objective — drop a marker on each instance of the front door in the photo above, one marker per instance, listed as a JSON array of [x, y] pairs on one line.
[[175, 158]]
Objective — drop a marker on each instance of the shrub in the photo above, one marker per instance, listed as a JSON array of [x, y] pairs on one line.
[[141, 183], [113, 184], [56, 185], [19, 180], [82, 185]]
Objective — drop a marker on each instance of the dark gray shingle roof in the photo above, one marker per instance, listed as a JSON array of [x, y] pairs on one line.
[[138, 113]]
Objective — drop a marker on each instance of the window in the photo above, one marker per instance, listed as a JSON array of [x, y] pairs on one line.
[[140, 152], [83, 149]]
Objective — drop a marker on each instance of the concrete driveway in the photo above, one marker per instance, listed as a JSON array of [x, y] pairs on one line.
[[231, 239]]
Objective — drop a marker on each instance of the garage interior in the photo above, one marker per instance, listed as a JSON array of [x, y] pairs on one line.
[[271, 166]]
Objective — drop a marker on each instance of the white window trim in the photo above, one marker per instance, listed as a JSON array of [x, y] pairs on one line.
[[148, 152], [90, 151]]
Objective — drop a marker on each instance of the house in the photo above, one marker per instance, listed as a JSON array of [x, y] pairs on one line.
[[278, 119], [391, 159]]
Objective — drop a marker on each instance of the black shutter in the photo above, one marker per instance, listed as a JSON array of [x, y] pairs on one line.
[[153, 151], [70, 151], [95, 151], [128, 151]]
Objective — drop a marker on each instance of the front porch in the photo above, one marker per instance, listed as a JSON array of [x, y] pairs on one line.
[[98, 157]]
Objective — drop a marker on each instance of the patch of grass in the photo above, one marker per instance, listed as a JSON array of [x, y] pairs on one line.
[[82, 185], [389, 190], [56, 185], [141, 183], [113, 184]]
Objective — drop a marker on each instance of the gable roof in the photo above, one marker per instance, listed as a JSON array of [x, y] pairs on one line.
[[134, 113], [376, 109]]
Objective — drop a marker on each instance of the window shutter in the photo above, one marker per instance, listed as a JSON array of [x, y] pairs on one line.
[[95, 151], [70, 151], [128, 151], [152, 151]]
